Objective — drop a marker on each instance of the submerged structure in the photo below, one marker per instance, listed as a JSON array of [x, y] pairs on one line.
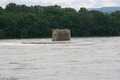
[[61, 35]]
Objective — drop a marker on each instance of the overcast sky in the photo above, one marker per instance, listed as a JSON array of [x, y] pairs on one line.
[[76, 4]]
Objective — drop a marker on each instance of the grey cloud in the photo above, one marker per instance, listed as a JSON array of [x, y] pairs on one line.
[[116, 2], [98, 3], [81, 1]]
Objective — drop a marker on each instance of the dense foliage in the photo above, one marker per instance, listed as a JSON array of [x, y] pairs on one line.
[[21, 21]]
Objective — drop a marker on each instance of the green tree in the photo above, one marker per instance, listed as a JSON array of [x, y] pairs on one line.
[[86, 19]]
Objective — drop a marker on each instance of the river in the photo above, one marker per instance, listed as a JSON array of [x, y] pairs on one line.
[[87, 58]]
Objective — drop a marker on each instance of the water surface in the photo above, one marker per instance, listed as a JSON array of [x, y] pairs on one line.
[[93, 58]]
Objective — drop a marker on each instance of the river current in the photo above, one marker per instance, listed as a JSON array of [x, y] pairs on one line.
[[90, 58]]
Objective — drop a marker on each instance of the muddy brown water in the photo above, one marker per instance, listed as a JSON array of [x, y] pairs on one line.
[[92, 58]]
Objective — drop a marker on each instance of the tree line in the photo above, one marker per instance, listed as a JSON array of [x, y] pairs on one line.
[[21, 21]]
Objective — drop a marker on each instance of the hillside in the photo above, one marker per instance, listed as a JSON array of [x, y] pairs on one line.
[[106, 9]]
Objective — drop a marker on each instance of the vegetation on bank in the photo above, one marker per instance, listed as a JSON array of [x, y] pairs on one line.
[[21, 21]]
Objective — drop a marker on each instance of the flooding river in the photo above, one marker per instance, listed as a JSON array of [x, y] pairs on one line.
[[92, 58]]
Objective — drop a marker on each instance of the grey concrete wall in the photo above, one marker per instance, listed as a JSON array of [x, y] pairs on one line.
[[61, 35]]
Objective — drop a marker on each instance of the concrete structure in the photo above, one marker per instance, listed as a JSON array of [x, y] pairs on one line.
[[61, 35]]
